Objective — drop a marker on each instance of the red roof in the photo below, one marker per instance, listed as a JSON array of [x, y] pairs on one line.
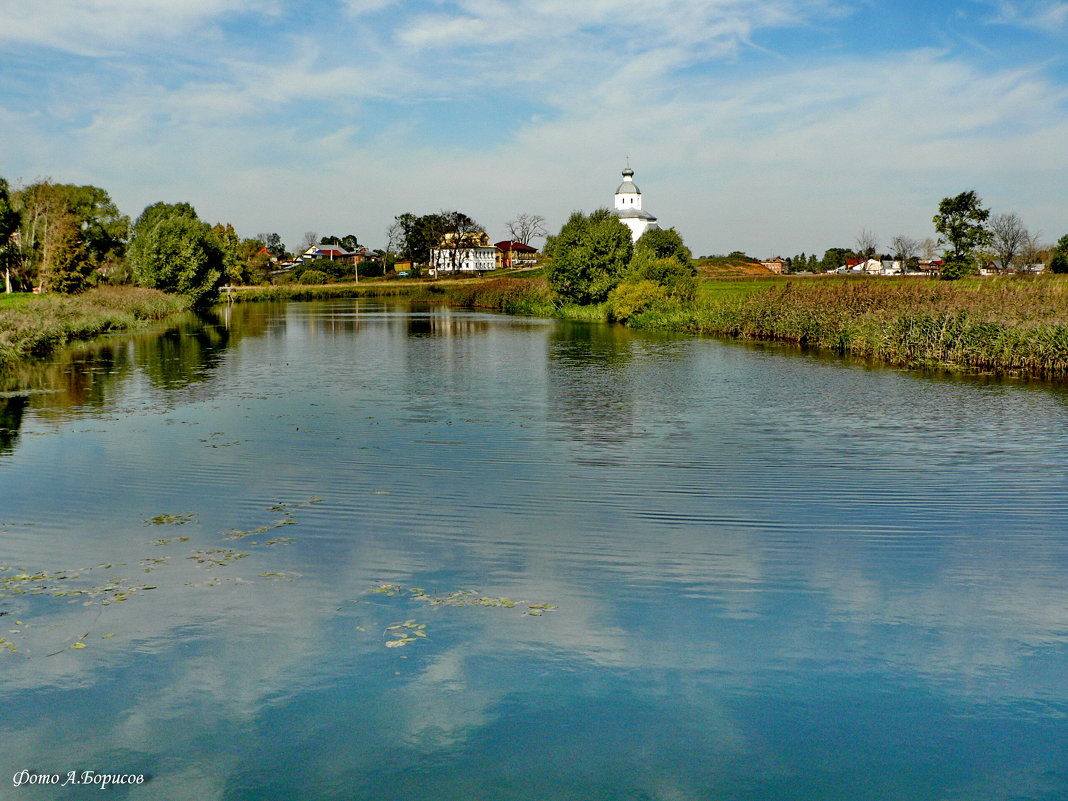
[[514, 246]]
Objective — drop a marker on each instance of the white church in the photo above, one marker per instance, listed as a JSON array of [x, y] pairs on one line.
[[629, 207]]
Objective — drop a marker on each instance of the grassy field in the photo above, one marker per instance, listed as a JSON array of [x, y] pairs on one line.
[[31, 325], [731, 267]]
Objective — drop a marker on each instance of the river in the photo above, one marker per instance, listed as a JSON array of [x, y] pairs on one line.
[[369, 550]]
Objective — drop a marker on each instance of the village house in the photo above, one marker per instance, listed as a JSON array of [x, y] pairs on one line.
[[463, 253], [777, 265], [332, 253], [513, 253]]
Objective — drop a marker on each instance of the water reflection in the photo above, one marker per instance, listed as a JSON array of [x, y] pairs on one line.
[[11, 411], [755, 601]]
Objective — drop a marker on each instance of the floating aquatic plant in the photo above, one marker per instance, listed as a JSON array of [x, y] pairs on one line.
[[76, 584], [409, 631], [170, 520]]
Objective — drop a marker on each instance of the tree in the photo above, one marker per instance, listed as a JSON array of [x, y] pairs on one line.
[[48, 210], [1031, 253], [9, 224], [904, 248], [960, 224], [525, 227], [417, 235], [173, 250], [70, 264], [867, 242], [589, 256], [833, 258], [273, 243], [1008, 238], [661, 243], [662, 257], [394, 241], [1059, 262], [235, 266], [414, 237], [310, 238]]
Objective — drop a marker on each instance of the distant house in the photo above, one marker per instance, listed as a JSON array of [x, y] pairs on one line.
[[871, 266], [332, 253], [463, 253], [931, 266], [776, 265], [512, 253]]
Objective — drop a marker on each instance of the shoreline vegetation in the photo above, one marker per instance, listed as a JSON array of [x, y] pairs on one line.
[[1012, 325], [33, 325]]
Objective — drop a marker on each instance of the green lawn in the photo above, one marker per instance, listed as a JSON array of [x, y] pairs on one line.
[[14, 299]]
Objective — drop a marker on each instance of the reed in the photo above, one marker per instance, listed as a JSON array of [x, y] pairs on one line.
[[509, 295], [1001, 324], [327, 291], [34, 327]]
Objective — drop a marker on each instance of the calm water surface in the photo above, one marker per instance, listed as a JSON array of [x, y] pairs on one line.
[[761, 575]]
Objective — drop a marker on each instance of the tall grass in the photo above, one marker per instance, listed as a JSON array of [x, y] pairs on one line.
[[510, 295], [327, 291], [34, 327], [1009, 324]]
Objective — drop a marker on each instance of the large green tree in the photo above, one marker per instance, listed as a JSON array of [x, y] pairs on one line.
[[48, 211], [960, 223], [589, 256], [235, 265], [70, 265], [662, 257], [414, 236], [173, 250], [664, 243]]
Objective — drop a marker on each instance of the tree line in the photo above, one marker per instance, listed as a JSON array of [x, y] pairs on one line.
[[66, 238], [969, 238]]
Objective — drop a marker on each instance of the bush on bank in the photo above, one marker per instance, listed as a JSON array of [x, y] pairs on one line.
[[34, 327]]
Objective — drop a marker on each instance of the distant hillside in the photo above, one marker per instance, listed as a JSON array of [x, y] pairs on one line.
[[722, 266]]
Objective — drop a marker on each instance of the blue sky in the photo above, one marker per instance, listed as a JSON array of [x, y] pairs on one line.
[[770, 126]]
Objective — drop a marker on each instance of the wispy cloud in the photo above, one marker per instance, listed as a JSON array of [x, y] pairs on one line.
[[96, 27], [1048, 16]]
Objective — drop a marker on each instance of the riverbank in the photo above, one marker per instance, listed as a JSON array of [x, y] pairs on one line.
[[1011, 324], [363, 289], [34, 325]]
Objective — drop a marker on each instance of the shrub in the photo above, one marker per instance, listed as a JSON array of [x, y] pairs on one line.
[[313, 277], [633, 297], [677, 277], [957, 268], [333, 269]]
